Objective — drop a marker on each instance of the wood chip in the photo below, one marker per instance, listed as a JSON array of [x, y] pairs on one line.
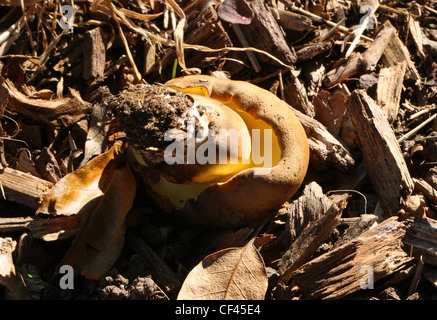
[[417, 36], [359, 63], [161, 272], [311, 238], [356, 227], [307, 208], [396, 53], [422, 237], [326, 150], [94, 55], [381, 152], [14, 224], [9, 277], [272, 41], [23, 188], [345, 270], [293, 21], [389, 89]]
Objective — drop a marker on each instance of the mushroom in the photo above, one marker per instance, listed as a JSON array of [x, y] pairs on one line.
[[257, 149]]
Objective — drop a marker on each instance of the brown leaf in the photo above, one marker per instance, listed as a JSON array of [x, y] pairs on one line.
[[75, 190], [235, 11], [101, 237], [229, 274]]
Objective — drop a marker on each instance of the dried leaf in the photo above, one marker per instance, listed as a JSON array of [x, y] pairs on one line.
[[179, 32], [101, 237], [75, 190], [229, 274], [144, 17], [235, 11]]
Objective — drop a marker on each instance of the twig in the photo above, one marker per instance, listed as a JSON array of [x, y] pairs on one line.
[[201, 48], [318, 18], [45, 55], [422, 112], [408, 29], [431, 10], [16, 140], [18, 56], [7, 33], [3, 162], [2, 191], [8, 37], [281, 85], [367, 61], [428, 191], [357, 37], [416, 129], [126, 45], [416, 277], [331, 31], [253, 60], [26, 22]]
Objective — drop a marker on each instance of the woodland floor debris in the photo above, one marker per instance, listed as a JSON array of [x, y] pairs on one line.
[[342, 271], [366, 98]]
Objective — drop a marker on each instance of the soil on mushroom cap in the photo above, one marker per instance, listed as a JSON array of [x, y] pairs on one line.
[[146, 112]]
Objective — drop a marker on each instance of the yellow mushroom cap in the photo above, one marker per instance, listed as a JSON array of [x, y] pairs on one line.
[[257, 189], [221, 145]]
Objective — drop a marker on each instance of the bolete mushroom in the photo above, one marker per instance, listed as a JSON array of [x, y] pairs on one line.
[[259, 149]]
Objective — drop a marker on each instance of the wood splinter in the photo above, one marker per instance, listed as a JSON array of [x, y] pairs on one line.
[[382, 155], [359, 63], [342, 271]]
